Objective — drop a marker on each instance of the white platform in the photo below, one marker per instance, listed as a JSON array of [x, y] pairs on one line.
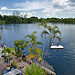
[[57, 47]]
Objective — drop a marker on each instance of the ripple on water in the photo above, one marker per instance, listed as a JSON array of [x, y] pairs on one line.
[[63, 61]]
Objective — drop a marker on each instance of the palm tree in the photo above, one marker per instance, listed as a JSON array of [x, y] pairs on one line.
[[53, 32], [44, 24], [34, 51]]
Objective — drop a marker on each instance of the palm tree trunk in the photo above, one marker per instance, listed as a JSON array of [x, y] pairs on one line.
[[46, 52], [50, 43], [48, 47], [44, 45], [43, 49]]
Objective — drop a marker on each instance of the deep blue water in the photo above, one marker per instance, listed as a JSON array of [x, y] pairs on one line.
[[63, 61]]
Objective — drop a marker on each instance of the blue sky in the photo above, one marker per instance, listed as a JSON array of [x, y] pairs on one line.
[[39, 8]]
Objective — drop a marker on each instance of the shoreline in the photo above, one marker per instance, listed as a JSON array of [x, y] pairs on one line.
[[24, 63]]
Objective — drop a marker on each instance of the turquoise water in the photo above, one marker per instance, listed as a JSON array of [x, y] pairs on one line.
[[63, 61]]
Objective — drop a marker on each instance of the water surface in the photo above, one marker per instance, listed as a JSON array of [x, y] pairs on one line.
[[63, 61]]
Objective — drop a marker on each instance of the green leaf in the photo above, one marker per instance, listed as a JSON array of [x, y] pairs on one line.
[[44, 32], [19, 46], [44, 23], [40, 43], [34, 70], [28, 36], [30, 49], [34, 33], [59, 39]]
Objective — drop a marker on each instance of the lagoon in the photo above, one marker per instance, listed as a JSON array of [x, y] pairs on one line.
[[63, 61]]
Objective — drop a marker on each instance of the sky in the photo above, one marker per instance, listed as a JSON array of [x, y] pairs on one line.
[[39, 8]]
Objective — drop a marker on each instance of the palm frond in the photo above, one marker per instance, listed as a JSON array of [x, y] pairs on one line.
[[26, 42], [49, 28], [55, 27], [30, 49], [28, 36], [58, 39], [57, 31], [44, 32], [33, 33], [22, 41], [40, 43], [43, 23]]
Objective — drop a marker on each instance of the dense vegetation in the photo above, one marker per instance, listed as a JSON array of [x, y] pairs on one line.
[[52, 32], [17, 20], [35, 70], [35, 52]]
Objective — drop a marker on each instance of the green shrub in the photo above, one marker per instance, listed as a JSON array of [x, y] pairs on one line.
[[14, 63], [52, 68], [6, 59], [13, 53], [34, 70]]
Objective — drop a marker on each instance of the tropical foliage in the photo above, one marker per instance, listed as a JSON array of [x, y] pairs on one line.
[[35, 70], [34, 51], [14, 63], [20, 45], [8, 51], [44, 24], [52, 32]]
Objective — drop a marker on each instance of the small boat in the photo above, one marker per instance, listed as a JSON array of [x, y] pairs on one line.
[[57, 47]]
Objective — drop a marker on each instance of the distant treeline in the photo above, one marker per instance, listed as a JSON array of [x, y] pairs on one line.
[[17, 20]]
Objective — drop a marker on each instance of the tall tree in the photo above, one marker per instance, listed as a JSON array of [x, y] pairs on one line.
[[44, 24], [34, 51], [53, 32]]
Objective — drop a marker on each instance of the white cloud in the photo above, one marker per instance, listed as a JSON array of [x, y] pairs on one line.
[[47, 15], [34, 12], [29, 14], [60, 3], [4, 8], [5, 13], [21, 14], [26, 14], [32, 5], [45, 8], [72, 1]]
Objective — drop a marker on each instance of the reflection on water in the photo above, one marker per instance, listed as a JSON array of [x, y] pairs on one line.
[[63, 60]]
